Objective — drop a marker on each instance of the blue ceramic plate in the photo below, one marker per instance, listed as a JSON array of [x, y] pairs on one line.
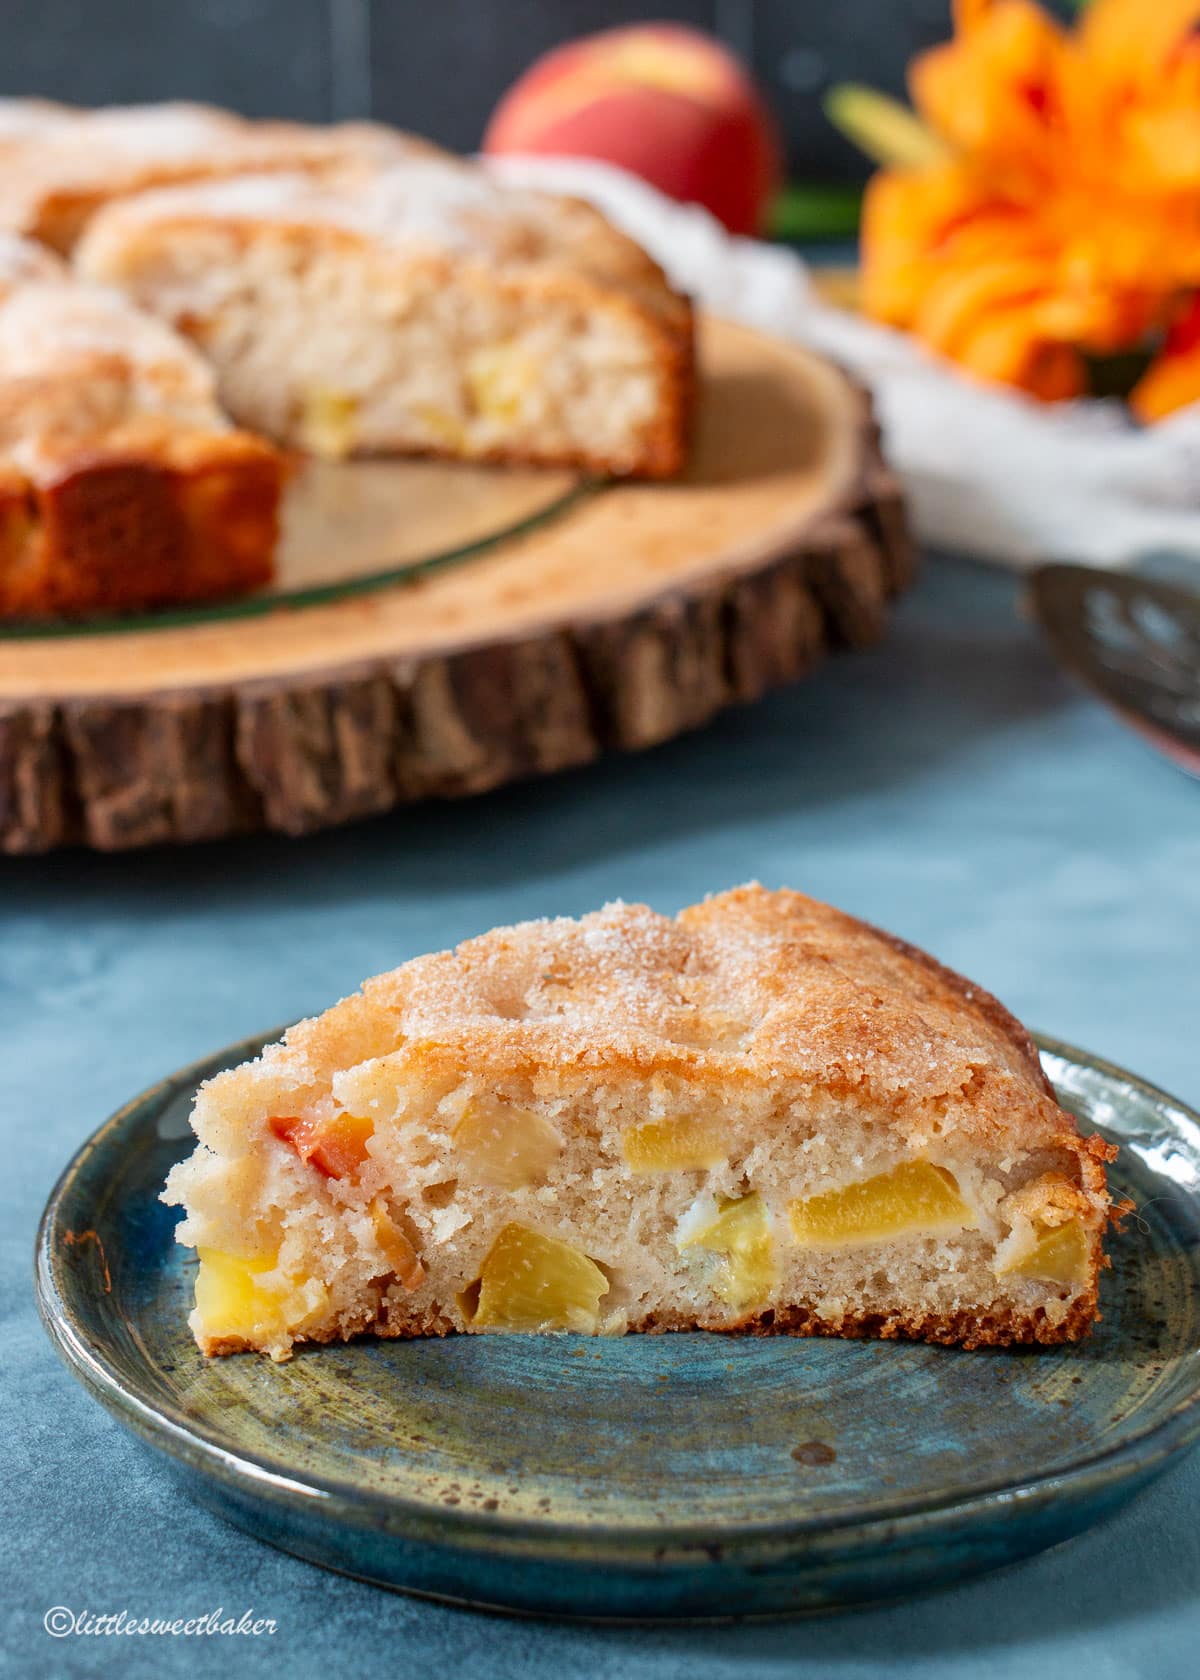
[[653, 1476]]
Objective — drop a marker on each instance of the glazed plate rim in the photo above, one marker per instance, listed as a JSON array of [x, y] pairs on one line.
[[153, 1419]]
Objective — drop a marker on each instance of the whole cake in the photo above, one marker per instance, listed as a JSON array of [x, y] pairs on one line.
[[760, 1116], [122, 484], [346, 290], [418, 307]]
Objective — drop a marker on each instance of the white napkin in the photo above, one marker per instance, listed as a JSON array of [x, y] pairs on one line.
[[988, 472]]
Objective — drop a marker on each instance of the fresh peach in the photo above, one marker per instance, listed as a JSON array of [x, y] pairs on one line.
[[667, 103]]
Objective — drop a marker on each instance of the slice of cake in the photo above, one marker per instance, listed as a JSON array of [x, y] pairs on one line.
[[122, 484], [63, 165], [762, 1116], [417, 308]]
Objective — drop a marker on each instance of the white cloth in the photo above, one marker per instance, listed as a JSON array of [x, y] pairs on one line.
[[988, 471]]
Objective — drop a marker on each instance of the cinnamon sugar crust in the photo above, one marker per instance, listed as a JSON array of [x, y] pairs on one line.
[[749, 986]]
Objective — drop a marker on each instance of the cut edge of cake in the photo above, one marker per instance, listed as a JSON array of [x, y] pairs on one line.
[[416, 308]]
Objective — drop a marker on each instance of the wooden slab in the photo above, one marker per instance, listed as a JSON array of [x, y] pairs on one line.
[[636, 612]]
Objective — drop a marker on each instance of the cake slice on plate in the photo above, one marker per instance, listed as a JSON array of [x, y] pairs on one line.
[[761, 1116], [122, 484], [420, 307]]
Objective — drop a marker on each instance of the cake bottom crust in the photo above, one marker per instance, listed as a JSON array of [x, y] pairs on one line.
[[661, 454], [1002, 1327]]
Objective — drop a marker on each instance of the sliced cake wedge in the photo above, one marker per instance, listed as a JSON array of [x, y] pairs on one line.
[[122, 484], [415, 308], [760, 1116]]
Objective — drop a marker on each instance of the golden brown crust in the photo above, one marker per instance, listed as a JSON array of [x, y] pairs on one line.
[[975, 996], [997, 1327], [116, 531], [121, 484], [407, 1326]]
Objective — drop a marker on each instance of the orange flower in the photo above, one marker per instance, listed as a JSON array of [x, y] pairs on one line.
[[1054, 213]]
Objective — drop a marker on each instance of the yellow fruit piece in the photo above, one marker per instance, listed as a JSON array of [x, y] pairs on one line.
[[444, 429], [740, 1232], [233, 1300], [1060, 1255], [499, 378], [915, 1197], [327, 423], [506, 1148], [534, 1282], [673, 1146]]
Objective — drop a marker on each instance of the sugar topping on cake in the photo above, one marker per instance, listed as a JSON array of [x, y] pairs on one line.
[[415, 200], [77, 361], [151, 133], [51, 324], [24, 260], [32, 119], [753, 984]]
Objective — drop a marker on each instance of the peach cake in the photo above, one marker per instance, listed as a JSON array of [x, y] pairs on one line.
[[415, 307], [351, 290], [122, 484], [761, 1116]]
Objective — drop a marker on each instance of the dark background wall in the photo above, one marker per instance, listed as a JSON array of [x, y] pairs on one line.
[[438, 66]]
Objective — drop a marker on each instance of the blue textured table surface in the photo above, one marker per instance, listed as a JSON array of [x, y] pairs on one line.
[[949, 785]]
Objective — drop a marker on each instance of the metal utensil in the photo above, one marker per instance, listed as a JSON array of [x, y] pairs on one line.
[[1134, 640]]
